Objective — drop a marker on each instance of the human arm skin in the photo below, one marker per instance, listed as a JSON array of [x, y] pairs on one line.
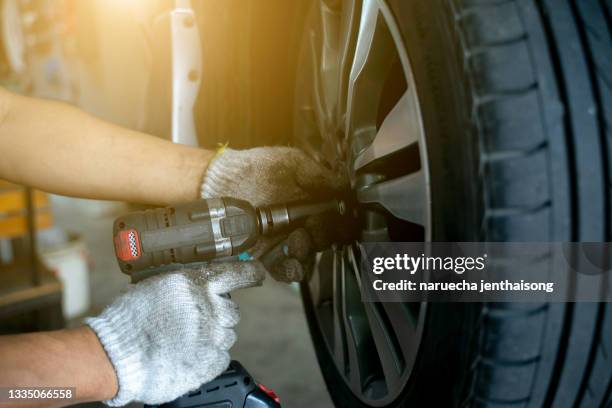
[[62, 358], [59, 149]]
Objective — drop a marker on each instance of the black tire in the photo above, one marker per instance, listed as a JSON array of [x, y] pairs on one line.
[[517, 108]]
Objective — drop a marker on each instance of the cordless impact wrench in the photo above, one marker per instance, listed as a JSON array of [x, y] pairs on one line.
[[163, 239]]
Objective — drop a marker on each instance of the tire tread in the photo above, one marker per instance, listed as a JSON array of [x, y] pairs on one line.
[[508, 99]]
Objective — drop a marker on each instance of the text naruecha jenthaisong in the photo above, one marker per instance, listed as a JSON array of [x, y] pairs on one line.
[[484, 272]]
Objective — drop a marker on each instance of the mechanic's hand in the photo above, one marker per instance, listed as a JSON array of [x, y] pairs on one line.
[[272, 175], [289, 256], [269, 175], [171, 333]]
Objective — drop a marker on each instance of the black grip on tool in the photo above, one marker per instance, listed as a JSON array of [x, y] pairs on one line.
[[235, 388]]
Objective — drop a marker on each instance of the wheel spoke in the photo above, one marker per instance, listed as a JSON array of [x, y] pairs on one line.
[[340, 332], [390, 357], [330, 20], [388, 322], [404, 326], [320, 111], [404, 197], [354, 264], [349, 25], [398, 131], [359, 333], [365, 38], [373, 58], [321, 281], [354, 324]]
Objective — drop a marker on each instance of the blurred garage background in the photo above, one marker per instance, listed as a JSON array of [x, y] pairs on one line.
[[111, 58]]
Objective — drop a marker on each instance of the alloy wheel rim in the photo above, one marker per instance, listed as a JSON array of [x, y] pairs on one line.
[[357, 111]]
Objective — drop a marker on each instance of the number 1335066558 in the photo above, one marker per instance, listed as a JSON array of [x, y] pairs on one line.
[[36, 393]]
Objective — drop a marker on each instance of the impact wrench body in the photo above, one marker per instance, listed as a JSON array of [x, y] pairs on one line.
[[162, 239]]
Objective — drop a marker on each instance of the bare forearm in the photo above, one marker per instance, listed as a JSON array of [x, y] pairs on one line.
[[59, 149], [63, 358]]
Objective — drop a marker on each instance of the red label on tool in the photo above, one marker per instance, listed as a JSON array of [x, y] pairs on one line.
[[127, 245], [270, 393]]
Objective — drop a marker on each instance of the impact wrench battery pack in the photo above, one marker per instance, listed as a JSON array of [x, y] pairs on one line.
[[235, 388]]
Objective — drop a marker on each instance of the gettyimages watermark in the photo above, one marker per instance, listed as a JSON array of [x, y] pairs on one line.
[[486, 272]]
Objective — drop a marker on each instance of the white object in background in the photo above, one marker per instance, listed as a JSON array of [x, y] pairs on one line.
[[69, 261], [186, 72], [12, 35], [6, 251], [64, 207]]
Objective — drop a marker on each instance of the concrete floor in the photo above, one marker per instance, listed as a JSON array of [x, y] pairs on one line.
[[273, 340], [274, 345]]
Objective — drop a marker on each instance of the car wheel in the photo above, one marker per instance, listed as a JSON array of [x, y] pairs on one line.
[[459, 120]]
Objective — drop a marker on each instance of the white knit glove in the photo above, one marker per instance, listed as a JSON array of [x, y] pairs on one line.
[[171, 333], [271, 175]]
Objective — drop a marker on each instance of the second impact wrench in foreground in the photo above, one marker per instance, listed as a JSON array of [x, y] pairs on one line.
[[155, 240]]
